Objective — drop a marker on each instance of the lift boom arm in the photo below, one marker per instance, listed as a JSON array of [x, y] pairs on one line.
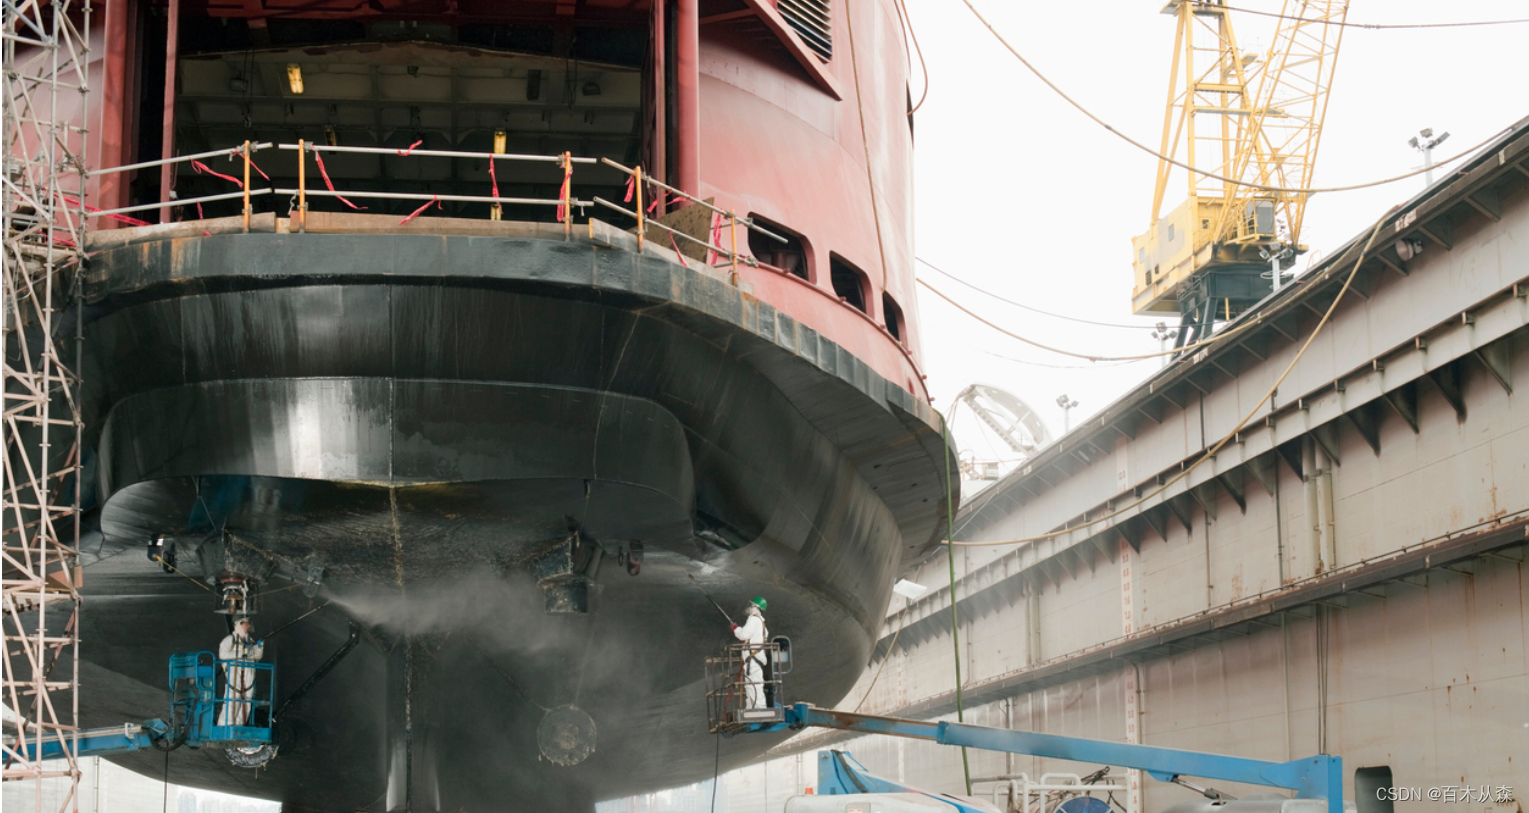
[[192, 721], [1318, 777], [98, 742]]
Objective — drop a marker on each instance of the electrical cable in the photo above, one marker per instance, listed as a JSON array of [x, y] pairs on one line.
[[716, 773], [1106, 366], [1376, 26], [1031, 308], [194, 580], [1211, 453], [505, 675], [865, 143], [1096, 366], [955, 618], [1219, 337], [890, 647], [1206, 173], [907, 21]]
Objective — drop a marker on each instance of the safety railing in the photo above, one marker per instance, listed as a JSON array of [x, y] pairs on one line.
[[225, 700], [245, 193], [639, 180], [744, 685], [638, 184], [564, 201]]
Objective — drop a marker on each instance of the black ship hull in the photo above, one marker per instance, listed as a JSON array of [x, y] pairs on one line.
[[412, 427]]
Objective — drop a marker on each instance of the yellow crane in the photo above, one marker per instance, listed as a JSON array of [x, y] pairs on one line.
[[1251, 120]]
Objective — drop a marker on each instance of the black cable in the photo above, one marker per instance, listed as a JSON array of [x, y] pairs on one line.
[[1182, 165], [716, 773], [165, 804], [1031, 308], [1104, 366]]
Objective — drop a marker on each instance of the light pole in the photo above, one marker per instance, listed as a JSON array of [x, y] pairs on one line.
[[1163, 336], [1066, 404], [1424, 142], [1276, 254]]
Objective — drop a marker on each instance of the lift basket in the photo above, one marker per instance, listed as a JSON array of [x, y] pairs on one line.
[[727, 686]]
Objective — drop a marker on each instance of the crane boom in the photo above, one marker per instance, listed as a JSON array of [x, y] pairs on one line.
[[1214, 254]]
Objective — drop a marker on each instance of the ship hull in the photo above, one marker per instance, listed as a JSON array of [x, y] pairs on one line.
[[420, 422]]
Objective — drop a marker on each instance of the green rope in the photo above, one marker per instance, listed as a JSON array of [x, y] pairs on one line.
[[955, 621]]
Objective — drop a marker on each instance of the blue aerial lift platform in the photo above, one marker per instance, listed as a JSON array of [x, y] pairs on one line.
[[193, 719], [1316, 779]]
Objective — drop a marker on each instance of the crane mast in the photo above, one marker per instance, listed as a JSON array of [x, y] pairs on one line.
[[1251, 124]]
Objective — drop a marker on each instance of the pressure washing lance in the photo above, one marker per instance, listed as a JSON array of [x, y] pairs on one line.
[[293, 621], [712, 600]]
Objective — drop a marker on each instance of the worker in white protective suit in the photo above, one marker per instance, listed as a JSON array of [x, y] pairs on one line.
[[754, 634], [240, 645]]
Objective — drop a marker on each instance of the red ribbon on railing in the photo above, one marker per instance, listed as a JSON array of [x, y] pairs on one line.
[[493, 181], [131, 221], [201, 168], [716, 238], [200, 216], [257, 168], [657, 199], [631, 184], [319, 159], [565, 192], [677, 250], [420, 210], [405, 152]]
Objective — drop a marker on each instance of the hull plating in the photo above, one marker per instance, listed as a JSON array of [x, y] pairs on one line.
[[420, 417]]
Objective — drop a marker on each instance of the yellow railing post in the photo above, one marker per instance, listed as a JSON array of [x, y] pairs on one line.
[[642, 223], [567, 193], [246, 186], [302, 187], [733, 228]]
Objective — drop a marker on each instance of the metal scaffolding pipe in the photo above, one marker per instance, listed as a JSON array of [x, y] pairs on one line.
[[167, 150], [112, 192], [506, 156], [687, 96]]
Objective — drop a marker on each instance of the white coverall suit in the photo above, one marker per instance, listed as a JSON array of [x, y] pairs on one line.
[[754, 633], [240, 680]]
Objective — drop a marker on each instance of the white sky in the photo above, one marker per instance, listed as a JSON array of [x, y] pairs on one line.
[[1020, 194]]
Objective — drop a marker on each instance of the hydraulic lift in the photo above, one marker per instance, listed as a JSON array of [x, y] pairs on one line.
[[193, 718], [194, 706], [1317, 781]]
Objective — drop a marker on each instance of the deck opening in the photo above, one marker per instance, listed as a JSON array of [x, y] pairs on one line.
[[848, 282], [790, 256]]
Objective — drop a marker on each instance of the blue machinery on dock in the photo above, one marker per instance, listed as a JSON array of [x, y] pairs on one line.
[[193, 719]]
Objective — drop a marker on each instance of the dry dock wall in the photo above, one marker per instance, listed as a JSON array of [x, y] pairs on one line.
[[1346, 574]]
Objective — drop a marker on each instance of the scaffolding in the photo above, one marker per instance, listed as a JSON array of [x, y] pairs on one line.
[[44, 177]]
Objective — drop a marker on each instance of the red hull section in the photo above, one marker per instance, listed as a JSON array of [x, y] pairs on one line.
[[737, 107]]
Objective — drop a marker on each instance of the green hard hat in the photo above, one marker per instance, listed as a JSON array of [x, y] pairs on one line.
[[761, 603]]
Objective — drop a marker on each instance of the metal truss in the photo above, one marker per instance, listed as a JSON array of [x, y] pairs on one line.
[[45, 64]]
